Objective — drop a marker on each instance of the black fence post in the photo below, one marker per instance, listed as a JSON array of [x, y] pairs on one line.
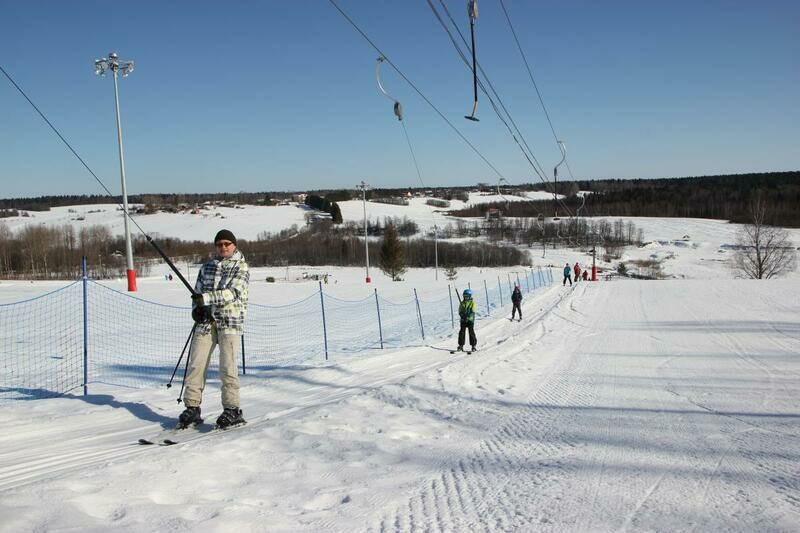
[[378, 307], [85, 277], [324, 326]]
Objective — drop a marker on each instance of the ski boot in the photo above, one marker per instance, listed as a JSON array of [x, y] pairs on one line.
[[189, 417], [474, 347], [231, 416]]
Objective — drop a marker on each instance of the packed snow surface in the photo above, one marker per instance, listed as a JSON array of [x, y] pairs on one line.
[[628, 405], [612, 406]]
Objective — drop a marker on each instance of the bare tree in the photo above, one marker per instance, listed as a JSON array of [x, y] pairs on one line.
[[762, 251]]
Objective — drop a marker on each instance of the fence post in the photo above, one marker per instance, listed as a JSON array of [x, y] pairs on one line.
[[378, 307], [324, 326], [518, 282], [419, 315], [85, 328], [450, 293], [500, 288], [488, 312], [533, 279], [244, 364], [509, 282]]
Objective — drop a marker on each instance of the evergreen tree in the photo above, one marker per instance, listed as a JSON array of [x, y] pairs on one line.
[[336, 213], [393, 261]]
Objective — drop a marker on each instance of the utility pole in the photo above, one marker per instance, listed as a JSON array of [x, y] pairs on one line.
[[555, 178], [363, 186], [113, 64], [436, 250]]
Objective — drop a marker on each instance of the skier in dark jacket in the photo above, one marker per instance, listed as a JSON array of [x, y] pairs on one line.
[[466, 312], [567, 275], [516, 299]]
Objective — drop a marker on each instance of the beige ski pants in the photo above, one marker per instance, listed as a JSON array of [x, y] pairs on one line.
[[202, 347]]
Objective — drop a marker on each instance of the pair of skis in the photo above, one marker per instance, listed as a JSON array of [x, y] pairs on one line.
[[175, 436], [463, 351]]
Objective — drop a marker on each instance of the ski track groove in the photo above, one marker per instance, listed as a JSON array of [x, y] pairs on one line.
[[513, 464]]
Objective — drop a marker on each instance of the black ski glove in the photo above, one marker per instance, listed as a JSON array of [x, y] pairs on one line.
[[202, 314]]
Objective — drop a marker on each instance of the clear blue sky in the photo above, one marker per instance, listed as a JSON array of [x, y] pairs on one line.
[[251, 96]]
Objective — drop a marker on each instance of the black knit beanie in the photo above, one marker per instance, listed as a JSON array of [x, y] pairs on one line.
[[225, 235]]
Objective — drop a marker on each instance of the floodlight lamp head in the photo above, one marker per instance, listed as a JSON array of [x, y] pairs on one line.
[[113, 55], [472, 9]]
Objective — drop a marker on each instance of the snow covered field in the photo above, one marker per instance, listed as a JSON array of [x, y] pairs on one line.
[[631, 405], [613, 406]]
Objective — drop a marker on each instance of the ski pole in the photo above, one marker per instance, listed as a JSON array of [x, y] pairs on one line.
[[191, 334], [185, 371]]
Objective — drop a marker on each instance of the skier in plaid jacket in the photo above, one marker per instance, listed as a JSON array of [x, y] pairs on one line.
[[219, 308]]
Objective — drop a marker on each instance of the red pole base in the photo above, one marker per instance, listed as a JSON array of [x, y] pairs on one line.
[[131, 281], [369, 279], [594, 273]]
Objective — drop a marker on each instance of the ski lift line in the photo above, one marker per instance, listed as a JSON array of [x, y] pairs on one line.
[[419, 92], [472, 10], [399, 114], [67, 144], [531, 158], [529, 154], [125, 211], [530, 74], [398, 109], [538, 166]]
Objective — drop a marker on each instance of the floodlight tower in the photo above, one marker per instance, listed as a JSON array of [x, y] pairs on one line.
[[363, 186], [113, 64]]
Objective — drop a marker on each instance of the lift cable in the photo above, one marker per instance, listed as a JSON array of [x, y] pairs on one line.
[[418, 91], [529, 154], [71, 149]]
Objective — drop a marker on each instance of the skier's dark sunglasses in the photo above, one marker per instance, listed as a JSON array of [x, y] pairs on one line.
[[223, 244]]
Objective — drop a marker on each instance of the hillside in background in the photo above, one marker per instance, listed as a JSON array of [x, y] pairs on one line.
[[719, 197], [723, 197]]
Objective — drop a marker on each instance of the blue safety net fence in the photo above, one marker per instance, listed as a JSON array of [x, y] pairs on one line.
[[87, 333]]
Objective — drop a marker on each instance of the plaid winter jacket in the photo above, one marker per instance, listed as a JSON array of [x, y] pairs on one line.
[[223, 284]]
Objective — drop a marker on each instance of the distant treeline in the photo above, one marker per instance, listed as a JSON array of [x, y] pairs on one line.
[[44, 203], [41, 252], [719, 197], [321, 245]]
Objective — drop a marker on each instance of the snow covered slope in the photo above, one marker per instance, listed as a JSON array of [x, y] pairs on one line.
[[643, 406]]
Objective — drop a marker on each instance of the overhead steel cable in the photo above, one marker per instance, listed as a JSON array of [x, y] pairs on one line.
[[539, 95], [529, 154], [398, 112], [418, 91], [533, 81], [66, 143], [125, 211]]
